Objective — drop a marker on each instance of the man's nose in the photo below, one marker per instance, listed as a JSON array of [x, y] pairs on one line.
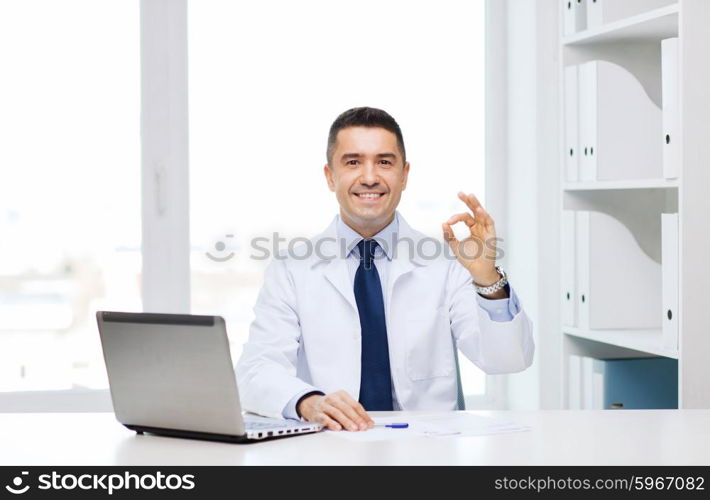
[[369, 175]]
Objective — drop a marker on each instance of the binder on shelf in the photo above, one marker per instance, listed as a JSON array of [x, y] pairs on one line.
[[618, 125], [618, 284], [671, 108], [574, 15], [598, 392], [610, 384], [574, 383], [588, 383], [581, 246], [571, 104], [606, 11], [670, 270], [640, 383], [567, 260]]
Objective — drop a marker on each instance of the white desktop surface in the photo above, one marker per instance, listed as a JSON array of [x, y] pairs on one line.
[[614, 437]]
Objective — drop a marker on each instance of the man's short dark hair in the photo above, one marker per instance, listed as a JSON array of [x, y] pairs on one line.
[[364, 117]]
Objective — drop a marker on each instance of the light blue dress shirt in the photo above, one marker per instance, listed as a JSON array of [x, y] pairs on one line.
[[497, 309]]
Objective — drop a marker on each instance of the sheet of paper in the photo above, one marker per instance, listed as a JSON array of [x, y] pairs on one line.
[[376, 434], [435, 425]]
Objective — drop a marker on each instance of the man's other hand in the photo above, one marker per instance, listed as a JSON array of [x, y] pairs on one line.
[[336, 411]]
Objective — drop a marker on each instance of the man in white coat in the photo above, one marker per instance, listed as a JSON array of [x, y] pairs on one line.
[[368, 315]]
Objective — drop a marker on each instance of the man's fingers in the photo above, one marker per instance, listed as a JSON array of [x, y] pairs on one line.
[[479, 212], [451, 238], [470, 200], [350, 412], [448, 232], [339, 416], [328, 422], [355, 410], [464, 217], [484, 217], [342, 410], [476, 207], [365, 416]]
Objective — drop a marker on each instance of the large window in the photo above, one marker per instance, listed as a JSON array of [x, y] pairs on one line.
[[267, 79], [70, 225]]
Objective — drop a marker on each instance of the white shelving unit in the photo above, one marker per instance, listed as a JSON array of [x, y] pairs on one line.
[[620, 185], [654, 25], [642, 341], [635, 44]]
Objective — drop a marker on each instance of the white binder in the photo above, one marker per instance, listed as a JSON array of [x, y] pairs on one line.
[[606, 11], [587, 383], [567, 260], [670, 266], [574, 381], [587, 90], [598, 374], [581, 228], [618, 125], [671, 108], [618, 284], [571, 103], [574, 15]]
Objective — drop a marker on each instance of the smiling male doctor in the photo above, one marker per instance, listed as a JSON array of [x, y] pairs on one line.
[[367, 316]]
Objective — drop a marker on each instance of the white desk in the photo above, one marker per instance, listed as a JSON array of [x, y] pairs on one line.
[[653, 437]]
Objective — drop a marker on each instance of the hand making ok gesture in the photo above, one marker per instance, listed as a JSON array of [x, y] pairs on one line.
[[477, 252]]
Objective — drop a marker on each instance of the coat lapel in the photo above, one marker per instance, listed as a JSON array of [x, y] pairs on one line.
[[336, 267], [405, 259]]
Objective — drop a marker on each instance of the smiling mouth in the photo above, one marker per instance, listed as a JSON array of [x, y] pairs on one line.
[[369, 196]]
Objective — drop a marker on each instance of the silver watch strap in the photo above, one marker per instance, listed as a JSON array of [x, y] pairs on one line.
[[488, 290]]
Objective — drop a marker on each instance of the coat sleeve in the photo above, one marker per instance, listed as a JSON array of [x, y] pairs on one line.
[[266, 371], [495, 347]]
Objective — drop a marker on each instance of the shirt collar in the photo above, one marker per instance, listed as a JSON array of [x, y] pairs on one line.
[[387, 237]]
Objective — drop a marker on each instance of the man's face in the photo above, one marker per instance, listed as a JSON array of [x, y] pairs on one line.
[[368, 176]]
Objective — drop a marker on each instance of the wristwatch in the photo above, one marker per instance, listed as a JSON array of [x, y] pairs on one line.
[[488, 290]]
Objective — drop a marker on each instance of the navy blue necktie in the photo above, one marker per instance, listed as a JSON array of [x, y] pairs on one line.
[[375, 381]]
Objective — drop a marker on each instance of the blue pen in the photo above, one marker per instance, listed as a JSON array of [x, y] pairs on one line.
[[393, 426]]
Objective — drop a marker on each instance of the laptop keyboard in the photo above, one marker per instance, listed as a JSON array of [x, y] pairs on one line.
[[264, 425], [252, 422]]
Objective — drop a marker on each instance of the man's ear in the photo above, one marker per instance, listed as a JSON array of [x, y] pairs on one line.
[[329, 177], [405, 176]]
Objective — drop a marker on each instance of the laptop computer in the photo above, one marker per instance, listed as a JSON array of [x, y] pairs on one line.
[[172, 375]]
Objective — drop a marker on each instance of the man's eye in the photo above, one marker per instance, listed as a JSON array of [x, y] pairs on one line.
[[351, 162], [386, 162]]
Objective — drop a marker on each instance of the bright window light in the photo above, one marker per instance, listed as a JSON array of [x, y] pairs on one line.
[[70, 225]]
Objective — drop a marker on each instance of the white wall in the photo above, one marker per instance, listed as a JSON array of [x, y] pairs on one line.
[[526, 169], [549, 202]]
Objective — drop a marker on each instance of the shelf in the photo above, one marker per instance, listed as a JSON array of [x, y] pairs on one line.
[[648, 341], [649, 26], [622, 184], [634, 43]]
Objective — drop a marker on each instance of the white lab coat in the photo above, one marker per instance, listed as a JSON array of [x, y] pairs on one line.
[[306, 334]]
